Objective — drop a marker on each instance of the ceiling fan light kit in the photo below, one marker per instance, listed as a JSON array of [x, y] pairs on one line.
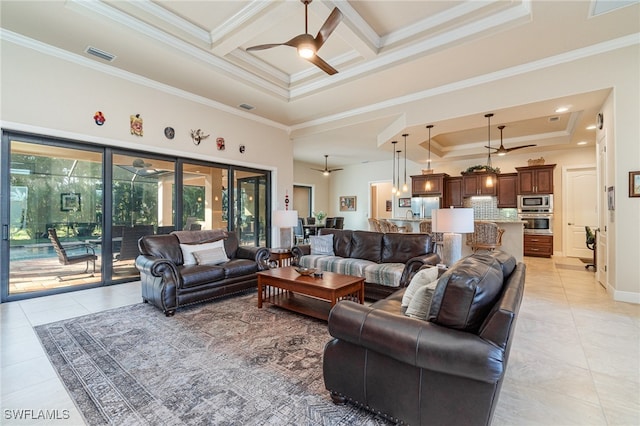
[[308, 46], [326, 171]]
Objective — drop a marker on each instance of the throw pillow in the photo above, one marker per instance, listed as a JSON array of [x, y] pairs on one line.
[[421, 301], [420, 279], [322, 244], [188, 249], [214, 256]]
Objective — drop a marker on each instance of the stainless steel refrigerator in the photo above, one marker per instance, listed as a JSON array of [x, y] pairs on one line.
[[422, 206]]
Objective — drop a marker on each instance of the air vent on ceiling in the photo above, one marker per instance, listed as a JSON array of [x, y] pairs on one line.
[[552, 119], [100, 54], [246, 106]]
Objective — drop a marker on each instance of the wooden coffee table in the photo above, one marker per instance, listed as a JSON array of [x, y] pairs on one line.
[[307, 295]]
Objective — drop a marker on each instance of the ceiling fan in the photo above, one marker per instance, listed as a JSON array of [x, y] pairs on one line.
[[307, 45], [502, 150], [326, 169]]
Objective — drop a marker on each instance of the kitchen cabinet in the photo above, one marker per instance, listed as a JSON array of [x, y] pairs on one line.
[[475, 184], [538, 245], [535, 179], [507, 190], [426, 185], [452, 192]]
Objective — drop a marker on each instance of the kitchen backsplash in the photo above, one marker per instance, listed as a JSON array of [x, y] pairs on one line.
[[486, 208]]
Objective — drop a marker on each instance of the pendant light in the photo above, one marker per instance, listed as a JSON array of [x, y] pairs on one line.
[[405, 187], [427, 186], [393, 176], [398, 187], [489, 181]]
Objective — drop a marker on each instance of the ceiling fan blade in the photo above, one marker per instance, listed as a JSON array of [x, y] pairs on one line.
[[334, 170], [519, 147], [328, 27], [490, 147], [320, 63], [319, 170], [264, 46]]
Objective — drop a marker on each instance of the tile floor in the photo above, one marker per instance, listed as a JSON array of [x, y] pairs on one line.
[[575, 359]]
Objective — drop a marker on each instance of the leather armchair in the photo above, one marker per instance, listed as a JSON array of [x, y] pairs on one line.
[[441, 371]]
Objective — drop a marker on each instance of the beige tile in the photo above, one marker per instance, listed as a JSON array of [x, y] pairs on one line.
[[26, 373]]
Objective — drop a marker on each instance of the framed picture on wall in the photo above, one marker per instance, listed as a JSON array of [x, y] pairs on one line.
[[70, 202], [388, 205], [348, 203], [634, 184], [404, 202]]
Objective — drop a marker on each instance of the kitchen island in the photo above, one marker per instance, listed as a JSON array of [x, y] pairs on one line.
[[512, 239]]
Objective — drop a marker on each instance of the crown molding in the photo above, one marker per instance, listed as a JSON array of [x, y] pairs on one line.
[[55, 52]]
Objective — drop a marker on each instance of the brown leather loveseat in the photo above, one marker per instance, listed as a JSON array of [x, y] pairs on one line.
[[385, 260], [445, 370], [183, 268]]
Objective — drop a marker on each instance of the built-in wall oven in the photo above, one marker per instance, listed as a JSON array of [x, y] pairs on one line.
[[537, 223], [537, 213]]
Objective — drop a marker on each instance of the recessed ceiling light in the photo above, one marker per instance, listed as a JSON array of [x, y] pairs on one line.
[[562, 109], [246, 107], [582, 143], [592, 127]]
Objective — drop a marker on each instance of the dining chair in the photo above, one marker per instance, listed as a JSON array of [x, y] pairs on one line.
[[437, 238], [130, 236], [486, 236], [330, 222], [89, 254], [339, 222]]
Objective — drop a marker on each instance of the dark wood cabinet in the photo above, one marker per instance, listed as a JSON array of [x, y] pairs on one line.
[[475, 184], [535, 179], [507, 190], [538, 245], [431, 184], [452, 192]]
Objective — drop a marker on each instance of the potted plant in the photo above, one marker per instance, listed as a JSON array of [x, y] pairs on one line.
[[481, 168], [320, 216]]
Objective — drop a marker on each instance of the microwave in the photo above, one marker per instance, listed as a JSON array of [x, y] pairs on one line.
[[538, 203]]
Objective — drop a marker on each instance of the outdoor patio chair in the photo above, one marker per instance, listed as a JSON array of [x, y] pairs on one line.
[[65, 258]]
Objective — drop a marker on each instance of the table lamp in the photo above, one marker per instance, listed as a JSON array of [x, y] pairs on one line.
[[452, 222], [285, 220]]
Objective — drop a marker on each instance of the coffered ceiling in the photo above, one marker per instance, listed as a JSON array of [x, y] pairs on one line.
[[388, 54]]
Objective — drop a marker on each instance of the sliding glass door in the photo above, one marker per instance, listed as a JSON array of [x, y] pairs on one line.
[[54, 212], [72, 213], [142, 203]]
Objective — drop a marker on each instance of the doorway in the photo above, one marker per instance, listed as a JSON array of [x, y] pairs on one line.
[[580, 206]]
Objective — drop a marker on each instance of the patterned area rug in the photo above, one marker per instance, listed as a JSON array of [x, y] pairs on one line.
[[224, 362]]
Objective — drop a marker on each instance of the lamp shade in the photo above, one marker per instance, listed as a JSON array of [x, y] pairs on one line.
[[458, 221], [285, 218]]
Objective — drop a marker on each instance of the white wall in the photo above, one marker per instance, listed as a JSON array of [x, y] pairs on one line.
[[56, 97]]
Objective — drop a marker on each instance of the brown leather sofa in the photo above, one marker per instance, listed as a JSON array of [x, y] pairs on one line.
[[169, 284], [446, 370], [386, 261]]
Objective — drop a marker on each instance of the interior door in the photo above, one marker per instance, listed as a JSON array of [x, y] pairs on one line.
[[601, 237], [581, 209]]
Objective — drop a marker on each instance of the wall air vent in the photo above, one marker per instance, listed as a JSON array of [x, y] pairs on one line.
[[246, 107], [552, 119], [100, 54]]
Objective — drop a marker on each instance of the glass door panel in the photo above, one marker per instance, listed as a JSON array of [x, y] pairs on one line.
[[55, 215], [143, 203], [205, 204], [251, 207]]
